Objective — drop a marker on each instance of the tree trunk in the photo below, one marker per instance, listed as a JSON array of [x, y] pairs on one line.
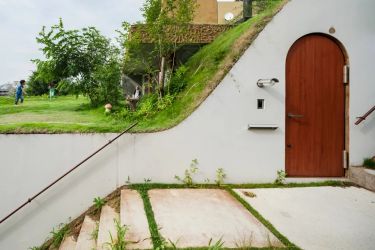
[[161, 76]]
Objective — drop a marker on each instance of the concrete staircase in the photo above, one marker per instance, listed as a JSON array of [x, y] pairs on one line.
[[137, 235]]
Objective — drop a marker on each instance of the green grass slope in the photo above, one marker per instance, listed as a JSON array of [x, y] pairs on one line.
[[205, 70]]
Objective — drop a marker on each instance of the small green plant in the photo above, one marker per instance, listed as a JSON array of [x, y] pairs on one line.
[[280, 179], [99, 203], [59, 234], [245, 241], [369, 163], [148, 180], [128, 180], [188, 176], [120, 243], [167, 244], [95, 232], [220, 176], [218, 245]]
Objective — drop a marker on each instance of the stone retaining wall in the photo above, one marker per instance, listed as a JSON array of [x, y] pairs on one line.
[[197, 33]]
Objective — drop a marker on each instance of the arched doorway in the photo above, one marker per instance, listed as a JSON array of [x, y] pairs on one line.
[[315, 108]]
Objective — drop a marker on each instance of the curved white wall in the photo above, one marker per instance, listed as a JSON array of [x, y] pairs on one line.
[[216, 133]]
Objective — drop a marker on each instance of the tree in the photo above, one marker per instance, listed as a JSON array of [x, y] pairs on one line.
[[166, 21], [40, 78], [80, 58]]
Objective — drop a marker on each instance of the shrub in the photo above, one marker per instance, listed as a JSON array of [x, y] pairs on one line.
[[178, 80], [369, 163]]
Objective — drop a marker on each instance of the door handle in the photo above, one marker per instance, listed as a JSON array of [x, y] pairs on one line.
[[290, 115]]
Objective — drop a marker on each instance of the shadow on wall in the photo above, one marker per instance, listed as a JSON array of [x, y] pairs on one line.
[[368, 124]]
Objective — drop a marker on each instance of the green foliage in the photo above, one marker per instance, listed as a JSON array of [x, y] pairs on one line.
[[178, 81], [280, 179], [99, 203], [120, 243], [85, 57], [38, 248], [155, 236], [369, 163], [36, 86], [188, 175], [109, 76], [220, 176], [166, 244], [165, 22], [218, 245], [147, 105], [59, 234]]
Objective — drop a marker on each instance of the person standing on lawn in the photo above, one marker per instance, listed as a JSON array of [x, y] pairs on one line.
[[19, 91]]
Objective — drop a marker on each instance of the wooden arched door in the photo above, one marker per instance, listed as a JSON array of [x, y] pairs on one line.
[[315, 108]]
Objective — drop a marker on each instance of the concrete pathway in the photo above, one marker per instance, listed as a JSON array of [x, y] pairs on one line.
[[319, 217], [133, 215], [191, 217]]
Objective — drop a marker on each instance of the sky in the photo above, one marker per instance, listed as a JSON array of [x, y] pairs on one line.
[[22, 20]]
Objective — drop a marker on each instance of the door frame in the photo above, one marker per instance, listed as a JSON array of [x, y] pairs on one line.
[[346, 95]]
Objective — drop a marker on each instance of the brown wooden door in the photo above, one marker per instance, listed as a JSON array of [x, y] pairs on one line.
[[315, 108]]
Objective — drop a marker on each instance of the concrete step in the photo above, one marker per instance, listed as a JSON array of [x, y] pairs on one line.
[[133, 215], [86, 239], [107, 227], [69, 243], [363, 177]]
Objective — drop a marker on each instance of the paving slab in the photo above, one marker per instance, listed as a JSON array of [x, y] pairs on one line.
[[319, 217], [85, 240], [68, 243], [132, 214], [107, 227], [192, 217]]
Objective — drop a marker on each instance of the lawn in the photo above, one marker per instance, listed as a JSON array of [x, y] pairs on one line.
[[205, 70], [65, 114]]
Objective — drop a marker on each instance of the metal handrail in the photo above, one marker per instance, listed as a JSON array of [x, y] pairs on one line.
[[71, 170], [362, 118]]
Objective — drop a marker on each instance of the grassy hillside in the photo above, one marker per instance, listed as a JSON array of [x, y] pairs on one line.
[[205, 70]]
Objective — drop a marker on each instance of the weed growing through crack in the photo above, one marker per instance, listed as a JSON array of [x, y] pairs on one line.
[[245, 241], [99, 203], [148, 180], [220, 176], [167, 244], [59, 234], [120, 242], [95, 232], [188, 175], [218, 245], [280, 179]]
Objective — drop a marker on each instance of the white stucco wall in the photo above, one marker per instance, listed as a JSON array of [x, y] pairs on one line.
[[216, 133]]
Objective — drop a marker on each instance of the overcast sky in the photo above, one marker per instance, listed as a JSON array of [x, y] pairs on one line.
[[21, 21]]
